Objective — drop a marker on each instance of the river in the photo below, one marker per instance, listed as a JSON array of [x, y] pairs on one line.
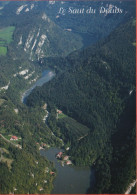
[[69, 179], [46, 76]]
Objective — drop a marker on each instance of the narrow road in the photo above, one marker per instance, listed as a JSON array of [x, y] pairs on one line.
[[9, 141], [82, 137]]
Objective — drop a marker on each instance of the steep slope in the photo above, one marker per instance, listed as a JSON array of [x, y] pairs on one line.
[[92, 20], [94, 87], [41, 31], [97, 91], [44, 38], [108, 66], [36, 33]]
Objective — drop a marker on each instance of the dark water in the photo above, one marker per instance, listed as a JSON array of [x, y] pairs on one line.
[[69, 180], [47, 75]]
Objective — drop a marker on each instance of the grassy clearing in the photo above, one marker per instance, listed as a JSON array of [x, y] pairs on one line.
[[2, 42], [6, 34], [72, 128], [5, 38], [5, 159], [60, 116], [3, 51], [5, 151], [8, 161], [15, 141], [7, 137]]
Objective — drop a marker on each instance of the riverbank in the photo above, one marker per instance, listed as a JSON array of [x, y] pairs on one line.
[[69, 179], [46, 76]]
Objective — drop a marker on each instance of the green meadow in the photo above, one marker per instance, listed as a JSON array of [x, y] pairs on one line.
[[5, 38], [3, 51]]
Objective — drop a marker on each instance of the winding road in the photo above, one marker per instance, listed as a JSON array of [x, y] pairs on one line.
[[9, 141]]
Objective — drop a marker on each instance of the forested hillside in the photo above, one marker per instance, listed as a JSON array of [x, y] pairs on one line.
[[42, 31], [88, 109], [97, 90]]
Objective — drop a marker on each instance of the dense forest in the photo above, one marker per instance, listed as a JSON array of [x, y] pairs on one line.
[[98, 90], [23, 171], [88, 108]]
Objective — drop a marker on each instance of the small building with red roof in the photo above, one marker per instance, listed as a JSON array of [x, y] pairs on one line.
[[68, 162], [66, 158], [52, 173], [59, 111], [14, 138], [59, 155]]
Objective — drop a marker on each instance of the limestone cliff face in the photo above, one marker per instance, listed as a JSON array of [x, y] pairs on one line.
[[40, 37]]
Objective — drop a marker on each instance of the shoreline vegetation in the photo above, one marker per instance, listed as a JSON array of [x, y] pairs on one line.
[[107, 110], [88, 108]]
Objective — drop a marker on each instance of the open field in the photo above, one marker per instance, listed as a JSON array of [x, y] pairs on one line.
[[5, 39], [3, 51], [7, 160], [6, 34], [60, 116]]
